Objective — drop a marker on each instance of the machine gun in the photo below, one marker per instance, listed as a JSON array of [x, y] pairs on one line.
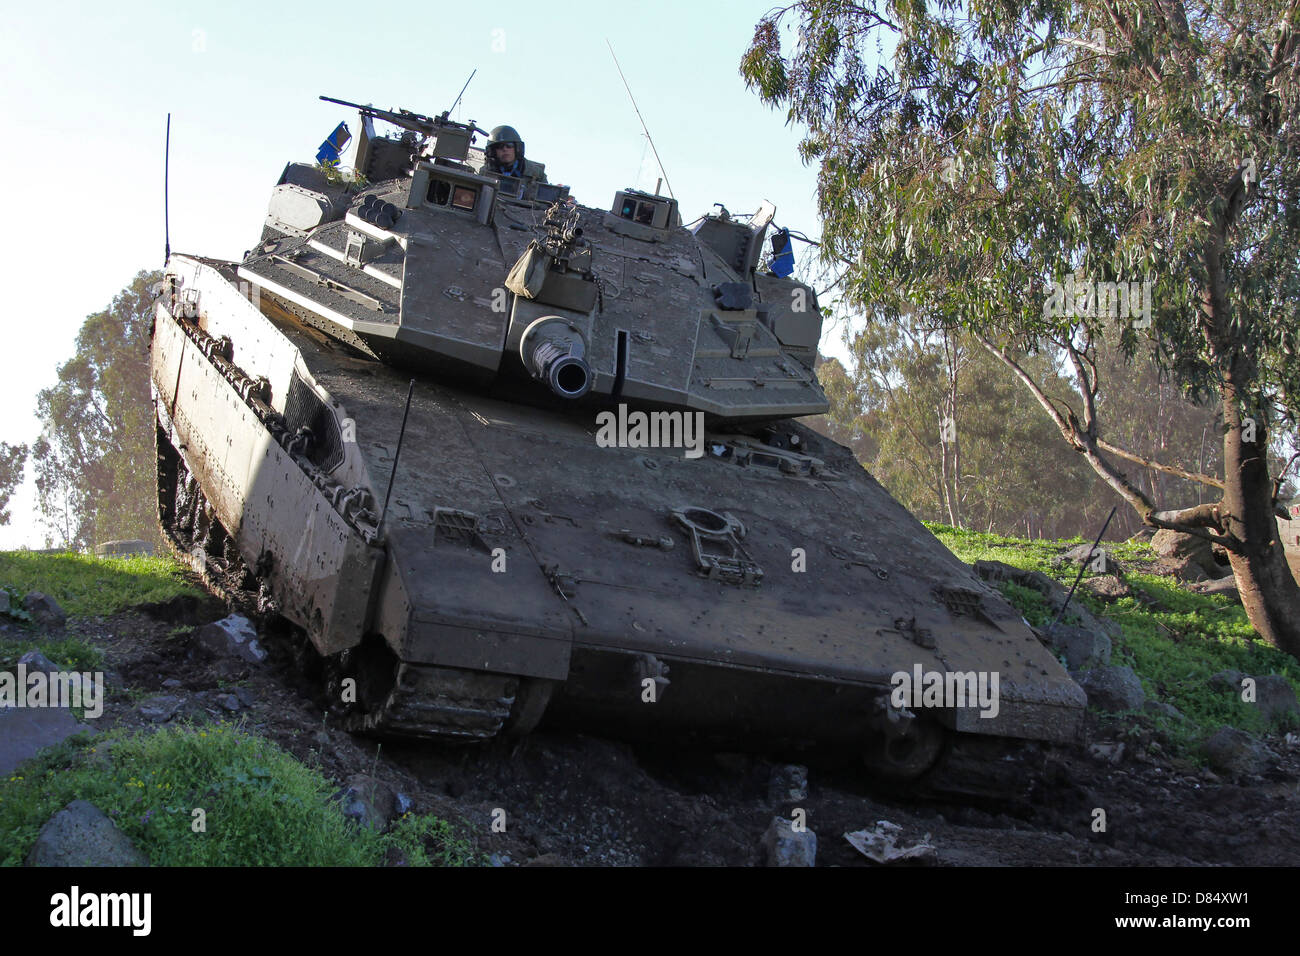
[[453, 139], [415, 122]]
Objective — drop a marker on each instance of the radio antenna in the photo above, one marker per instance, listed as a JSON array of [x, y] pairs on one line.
[[639, 117], [167, 161], [462, 90]]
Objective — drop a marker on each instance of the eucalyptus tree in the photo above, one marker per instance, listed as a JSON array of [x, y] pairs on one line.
[[1035, 171]]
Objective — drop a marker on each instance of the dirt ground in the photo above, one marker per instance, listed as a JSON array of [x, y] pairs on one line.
[[571, 799]]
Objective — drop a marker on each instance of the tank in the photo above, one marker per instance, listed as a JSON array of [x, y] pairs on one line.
[[504, 458]]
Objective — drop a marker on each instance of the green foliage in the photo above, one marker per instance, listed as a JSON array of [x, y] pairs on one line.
[[342, 175], [11, 605], [98, 431], [262, 807], [70, 654], [87, 585], [13, 458], [1174, 639]]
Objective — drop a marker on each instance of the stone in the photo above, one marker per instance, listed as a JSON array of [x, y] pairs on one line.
[[369, 801], [229, 702], [1236, 753], [123, 548], [1181, 569], [1225, 586], [159, 710], [44, 610], [25, 731], [1158, 708], [232, 636], [36, 661], [1081, 647], [245, 695], [1275, 697], [1179, 547], [402, 803], [81, 835], [1107, 752], [784, 846], [787, 784], [1099, 560], [1227, 681], [1105, 587], [172, 683], [1113, 688]]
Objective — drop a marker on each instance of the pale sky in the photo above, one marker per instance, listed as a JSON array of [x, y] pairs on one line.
[[84, 97]]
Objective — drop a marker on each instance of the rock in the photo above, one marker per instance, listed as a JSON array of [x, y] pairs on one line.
[[788, 783], [36, 661], [1159, 708], [1225, 586], [1105, 587], [1275, 696], [1107, 752], [1180, 547], [44, 610], [229, 702], [1113, 688], [369, 801], [127, 546], [1098, 560], [1227, 681], [1082, 648], [159, 710], [1231, 751], [246, 696], [232, 636], [25, 731], [172, 682], [785, 847], [1181, 569], [80, 835], [1052, 590], [402, 803]]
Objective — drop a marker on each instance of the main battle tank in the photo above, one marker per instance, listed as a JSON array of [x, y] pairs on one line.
[[503, 456]]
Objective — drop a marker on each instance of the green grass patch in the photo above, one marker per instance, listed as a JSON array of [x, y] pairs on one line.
[[69, 654], [1174, 639], [261, 806], [87, 585]]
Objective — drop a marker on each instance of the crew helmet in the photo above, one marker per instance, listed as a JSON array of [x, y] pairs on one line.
[[505, 134]]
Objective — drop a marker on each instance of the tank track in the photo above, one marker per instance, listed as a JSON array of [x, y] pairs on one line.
[[441, 702], [419, 701]]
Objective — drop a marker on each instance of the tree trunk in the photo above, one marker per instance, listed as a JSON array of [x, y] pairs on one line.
[[1268, 589]]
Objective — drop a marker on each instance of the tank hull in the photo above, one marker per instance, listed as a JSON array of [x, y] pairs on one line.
[[755, 593]]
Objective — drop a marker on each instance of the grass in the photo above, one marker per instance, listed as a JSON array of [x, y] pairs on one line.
[[85, 585], [1174, 639], [261, 807]]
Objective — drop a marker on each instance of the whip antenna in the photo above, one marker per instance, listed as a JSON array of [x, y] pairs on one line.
[[462, 90], [639, 117], [167, 161]]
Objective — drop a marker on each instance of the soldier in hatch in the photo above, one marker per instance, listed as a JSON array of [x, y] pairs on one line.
[[505, 156]]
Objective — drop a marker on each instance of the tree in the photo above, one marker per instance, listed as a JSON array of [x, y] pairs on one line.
[[96, 442], [1035, 173], [13, 458]]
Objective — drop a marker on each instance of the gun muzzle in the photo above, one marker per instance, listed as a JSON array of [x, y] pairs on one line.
[[561, 366]]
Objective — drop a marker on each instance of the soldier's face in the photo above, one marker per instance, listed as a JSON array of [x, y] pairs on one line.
[[506, 154]]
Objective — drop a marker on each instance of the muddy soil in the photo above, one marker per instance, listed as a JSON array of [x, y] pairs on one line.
[[572, 799]]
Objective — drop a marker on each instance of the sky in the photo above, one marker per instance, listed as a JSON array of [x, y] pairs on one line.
[[84, 95]]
